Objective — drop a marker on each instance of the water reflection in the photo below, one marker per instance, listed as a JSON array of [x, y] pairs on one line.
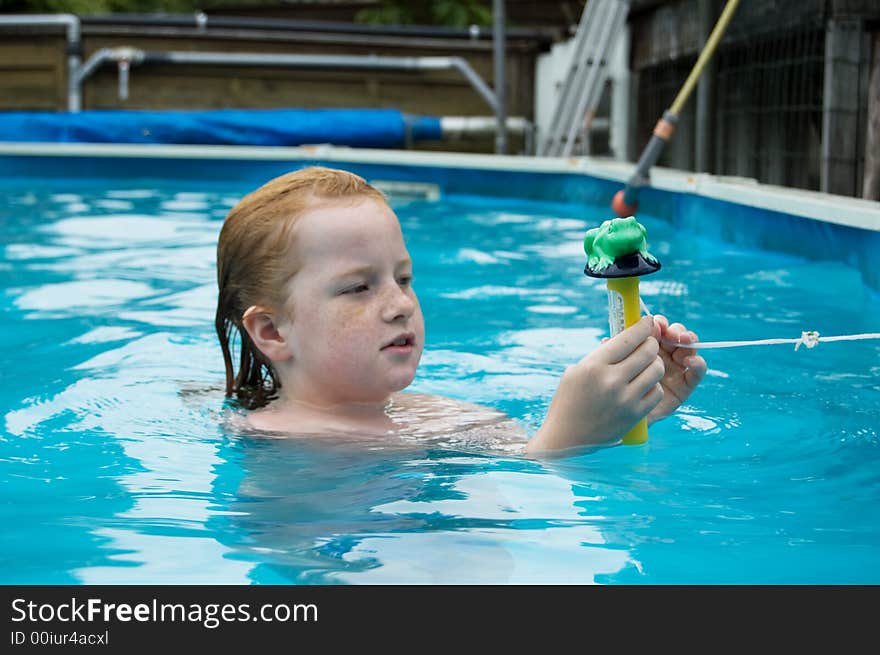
[[322, 512]]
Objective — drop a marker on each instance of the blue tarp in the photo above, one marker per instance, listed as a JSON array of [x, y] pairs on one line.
[[365, 128]]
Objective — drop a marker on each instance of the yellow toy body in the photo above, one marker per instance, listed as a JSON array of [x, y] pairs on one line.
[[617, 251], [624, 310]]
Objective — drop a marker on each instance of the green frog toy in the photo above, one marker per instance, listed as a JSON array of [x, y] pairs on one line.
[[618, 248]]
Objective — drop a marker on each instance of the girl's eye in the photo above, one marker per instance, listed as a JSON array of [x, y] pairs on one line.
[[405, 280], [359, 288]]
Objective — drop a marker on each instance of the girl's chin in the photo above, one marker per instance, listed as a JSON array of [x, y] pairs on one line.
[[378, 388], [405, 380]]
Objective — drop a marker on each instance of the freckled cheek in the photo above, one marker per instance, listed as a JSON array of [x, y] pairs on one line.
[[419, 325], [346, 339], [348, 349]]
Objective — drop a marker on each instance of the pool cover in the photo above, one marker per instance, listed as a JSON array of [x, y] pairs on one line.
[[365, 128]]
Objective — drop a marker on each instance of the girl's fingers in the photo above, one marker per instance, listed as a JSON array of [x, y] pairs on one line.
[[639, 360], [694, 371], [660, 325], [622, 345], [651, 375], [651, 399], [678, 337], [680, 355]]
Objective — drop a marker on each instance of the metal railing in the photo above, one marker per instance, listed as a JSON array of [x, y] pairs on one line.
[[125, 57], [74, 46]]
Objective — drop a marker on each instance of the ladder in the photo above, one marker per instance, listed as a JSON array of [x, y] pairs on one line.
[[601, 23]]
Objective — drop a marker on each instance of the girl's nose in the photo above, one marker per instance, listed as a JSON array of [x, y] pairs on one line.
[[399, 304]]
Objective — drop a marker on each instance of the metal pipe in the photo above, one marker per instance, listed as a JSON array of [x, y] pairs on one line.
[[620, 98], [77, 72], [705, 55], [302, 61], [372, 62], [476, 81], [94, 62], [500, 81], [705, 94], [461, 125], [74, 47], [543, 36], [625, 201]]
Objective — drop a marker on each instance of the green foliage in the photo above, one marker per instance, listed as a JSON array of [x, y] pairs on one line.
[[461, 13], [450, 13], [87, 7]]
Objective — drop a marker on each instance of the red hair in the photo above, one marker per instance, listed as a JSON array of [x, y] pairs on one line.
[[254, 265]]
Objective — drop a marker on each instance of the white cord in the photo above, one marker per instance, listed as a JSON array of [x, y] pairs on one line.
[[810, 339]]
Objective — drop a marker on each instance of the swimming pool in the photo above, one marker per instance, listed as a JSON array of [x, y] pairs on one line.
[[116, 467]]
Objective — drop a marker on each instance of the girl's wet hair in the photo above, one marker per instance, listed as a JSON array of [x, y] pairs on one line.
[[254, 265]]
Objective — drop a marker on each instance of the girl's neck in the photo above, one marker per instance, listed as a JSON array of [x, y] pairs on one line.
[[375, 412], [296, 415], [353, 408]]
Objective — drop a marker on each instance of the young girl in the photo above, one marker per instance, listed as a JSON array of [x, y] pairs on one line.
[[316, 282]]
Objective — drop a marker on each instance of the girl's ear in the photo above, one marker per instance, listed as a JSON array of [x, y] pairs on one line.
[[263, 331]]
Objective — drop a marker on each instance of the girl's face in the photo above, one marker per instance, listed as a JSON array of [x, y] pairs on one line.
[[357, 330]]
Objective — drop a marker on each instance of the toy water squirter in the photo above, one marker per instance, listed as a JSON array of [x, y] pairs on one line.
[[617, 251]]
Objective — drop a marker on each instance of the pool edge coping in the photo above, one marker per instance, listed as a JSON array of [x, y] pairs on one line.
[[828, 208]]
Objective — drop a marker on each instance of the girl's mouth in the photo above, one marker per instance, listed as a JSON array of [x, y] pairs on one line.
[[401, 343]]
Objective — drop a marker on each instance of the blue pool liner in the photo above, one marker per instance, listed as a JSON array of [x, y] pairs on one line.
[[741, 224], [365, 128]]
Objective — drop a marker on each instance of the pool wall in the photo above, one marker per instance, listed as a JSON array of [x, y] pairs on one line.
[[841, 230]]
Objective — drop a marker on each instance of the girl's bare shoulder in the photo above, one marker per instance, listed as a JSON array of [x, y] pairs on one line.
[[434, 405], [412, 419], [458, 422]]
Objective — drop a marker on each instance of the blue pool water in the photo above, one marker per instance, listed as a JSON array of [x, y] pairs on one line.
[[116, 467]]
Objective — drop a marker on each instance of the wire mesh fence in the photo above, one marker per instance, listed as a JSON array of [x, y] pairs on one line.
[[769, 107], [791, 97], [766, 105]]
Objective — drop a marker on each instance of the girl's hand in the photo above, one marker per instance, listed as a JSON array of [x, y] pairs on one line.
[[684, 367], [606, 393]]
